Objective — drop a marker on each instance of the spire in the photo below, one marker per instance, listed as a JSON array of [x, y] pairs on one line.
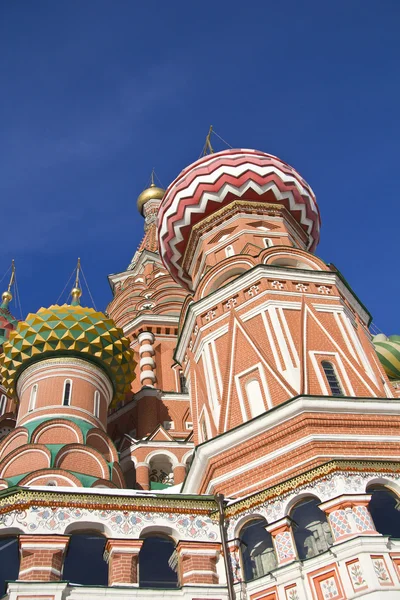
[[208, 149], [76, 292], [7, 295], [153, 192]]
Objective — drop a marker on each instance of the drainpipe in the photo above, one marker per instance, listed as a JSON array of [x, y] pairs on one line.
[[219, 498]]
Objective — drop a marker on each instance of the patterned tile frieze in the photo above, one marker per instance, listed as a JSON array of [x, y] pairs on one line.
[[324, 482]]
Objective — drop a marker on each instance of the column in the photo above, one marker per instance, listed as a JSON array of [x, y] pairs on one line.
[[282, 537], [179, 474], [349, 516], [146, 363], [42, 557], [198, 562], [122, 557], [142, 476], [234, 556]]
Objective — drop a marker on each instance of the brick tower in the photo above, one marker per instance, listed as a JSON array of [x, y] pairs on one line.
[[253, 422]]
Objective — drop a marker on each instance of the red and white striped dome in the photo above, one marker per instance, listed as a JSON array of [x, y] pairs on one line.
[[218, 179]]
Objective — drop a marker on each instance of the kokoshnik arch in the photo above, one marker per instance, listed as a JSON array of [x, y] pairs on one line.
[[228, 429]]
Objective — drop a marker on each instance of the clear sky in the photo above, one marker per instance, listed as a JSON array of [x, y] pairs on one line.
[[95, 93]]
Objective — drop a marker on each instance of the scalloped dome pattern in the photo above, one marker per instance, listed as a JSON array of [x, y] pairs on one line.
[[218, 179], [69, 330]]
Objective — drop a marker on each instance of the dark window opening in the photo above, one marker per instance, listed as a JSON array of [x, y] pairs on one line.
[[312, 533], [332, 378], [182, 382], [384, 508], [157, 563], [9, 561], [84, 563], [258, 554], [67, 393]]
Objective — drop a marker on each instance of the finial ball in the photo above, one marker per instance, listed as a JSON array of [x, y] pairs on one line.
[[151, 193]]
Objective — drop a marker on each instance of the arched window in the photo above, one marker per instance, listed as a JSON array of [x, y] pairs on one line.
[[255, 397], [161, 472], [312, 533], [158, 551], [3, 404], [229, 251], [267, 242], [84, 563], [97, 404], [33, 398], [384, 508], [67, 392], [9, 560], [332, 378], [258, 555]]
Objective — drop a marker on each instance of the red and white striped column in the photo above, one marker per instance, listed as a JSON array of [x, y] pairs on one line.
[[147, 363]]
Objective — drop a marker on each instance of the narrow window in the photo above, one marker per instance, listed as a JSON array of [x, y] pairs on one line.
[[255, 398], [229, 251], [3, 404], [204, 432], [182, 381], [267, 242], [97, 404], [67, 392], [332, 378], [32, 399]]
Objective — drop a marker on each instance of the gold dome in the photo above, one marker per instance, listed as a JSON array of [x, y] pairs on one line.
[[7, 296], [151, 193]]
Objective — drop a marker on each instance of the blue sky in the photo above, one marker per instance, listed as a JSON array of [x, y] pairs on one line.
[[95, 94]]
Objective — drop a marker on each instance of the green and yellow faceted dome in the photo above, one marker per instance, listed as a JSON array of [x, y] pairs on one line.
[[69, 330], [388, 351]]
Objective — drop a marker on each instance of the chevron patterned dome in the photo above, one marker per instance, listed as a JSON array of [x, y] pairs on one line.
[[388, 351], [69, 330], [218, 179]]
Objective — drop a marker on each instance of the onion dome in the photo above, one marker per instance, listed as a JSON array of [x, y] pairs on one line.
[[151, 193], [69, 330], [388, 351], [7, 321], [218, 179]]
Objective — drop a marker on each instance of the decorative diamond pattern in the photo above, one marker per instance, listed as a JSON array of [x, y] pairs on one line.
[[284, 546], [363, 519], [69, 330], [339, 523]]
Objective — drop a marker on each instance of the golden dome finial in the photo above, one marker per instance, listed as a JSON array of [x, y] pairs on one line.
[[151, 193], [76, 292], [7, 295]]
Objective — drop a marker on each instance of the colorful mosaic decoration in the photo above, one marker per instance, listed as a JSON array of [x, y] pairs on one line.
[[363, 519], [381, 571], [329, 589], [69, 330], [356, 576], [284, 547], [339, 523]]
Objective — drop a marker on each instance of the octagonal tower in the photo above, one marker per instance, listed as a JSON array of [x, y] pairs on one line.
[[65, 365], [268, 325]]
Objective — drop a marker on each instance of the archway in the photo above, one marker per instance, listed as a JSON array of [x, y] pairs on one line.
[[384, 507], [161, 474], [84, 563], [258, 554], [312, 533], [158, 563]]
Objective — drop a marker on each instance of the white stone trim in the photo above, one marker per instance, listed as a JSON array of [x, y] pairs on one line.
[[50, 569], [195, 551], [199, 572], [277, 416]]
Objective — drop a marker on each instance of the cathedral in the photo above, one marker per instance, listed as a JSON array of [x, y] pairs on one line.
[[228, 429]]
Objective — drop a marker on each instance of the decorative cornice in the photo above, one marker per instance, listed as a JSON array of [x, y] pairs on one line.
[[333, 466], [22, 499]]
